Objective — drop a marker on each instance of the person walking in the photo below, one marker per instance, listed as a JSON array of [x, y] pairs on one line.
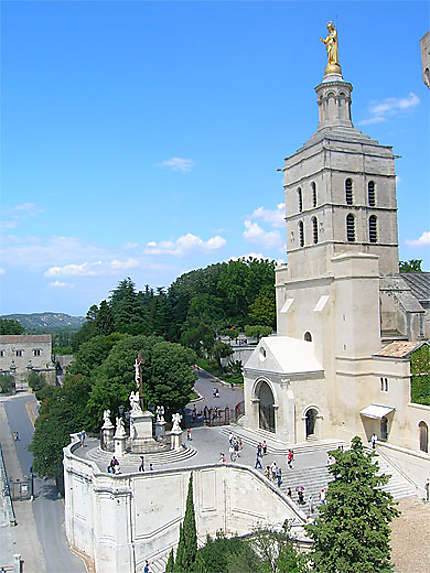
[[194, 414], [311, 504], [236, 448], [146, 569], [322, 496], [301, 494], [279, 476], [289, 494], [189, 436], [264, 446], [232, 452], [258, 461], [274, 470], [222, 459], [290, 458], [259, 449], [230, 438], [142, 464], [374, 440], [82, 438], [268, 473]]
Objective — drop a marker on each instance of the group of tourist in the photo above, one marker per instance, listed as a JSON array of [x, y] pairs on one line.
[[274, 473], [235, 445]]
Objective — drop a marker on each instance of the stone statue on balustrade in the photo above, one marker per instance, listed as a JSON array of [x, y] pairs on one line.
[[107, 423], [176, 420], [160, 413], [135, 408]]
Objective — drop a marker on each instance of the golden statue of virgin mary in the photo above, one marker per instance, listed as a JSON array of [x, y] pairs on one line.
[[331, 45]]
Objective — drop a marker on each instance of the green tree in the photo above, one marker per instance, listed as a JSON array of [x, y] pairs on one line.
[[411, 266], [187, 548], [104, 319], [257, 331], [263, 309], [36, 381], [9, 326], [7, 383], [170, 565], [420, 375], [221, 350], [352, 531], [127, 309]]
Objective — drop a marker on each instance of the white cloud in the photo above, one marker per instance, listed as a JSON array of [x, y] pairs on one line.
[[178, 164], [75, 270], [2, 271], [28, 208], [248, 256], [16, 214], [422, 241], [184, 244], [126, 264], [274, 217], [60, 284], [131, 245], [256, 234], [389, 108]]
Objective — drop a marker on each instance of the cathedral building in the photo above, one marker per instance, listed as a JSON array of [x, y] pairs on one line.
[[349, 324]]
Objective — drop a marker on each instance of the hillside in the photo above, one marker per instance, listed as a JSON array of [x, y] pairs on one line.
[[47, 321]]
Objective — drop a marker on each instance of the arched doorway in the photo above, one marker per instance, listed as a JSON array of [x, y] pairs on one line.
[[266, 412], [424, 437], [308, 337], [384, 429], [310, 422]]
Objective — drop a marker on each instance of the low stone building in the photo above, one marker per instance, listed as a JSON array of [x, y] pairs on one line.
[[21, 354]]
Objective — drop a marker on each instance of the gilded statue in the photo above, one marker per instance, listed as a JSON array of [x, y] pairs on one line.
[[331, 45]]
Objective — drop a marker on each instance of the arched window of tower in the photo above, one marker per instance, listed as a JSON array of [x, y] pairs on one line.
[[371, 198], [308, 337], [315, 230], [350, 228], [373, 229], [349, 197], [301, 234], [300, 199], [314, 193]]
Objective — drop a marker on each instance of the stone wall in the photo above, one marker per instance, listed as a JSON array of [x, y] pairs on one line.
[[120, 521]]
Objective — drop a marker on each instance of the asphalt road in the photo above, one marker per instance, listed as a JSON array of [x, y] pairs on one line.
[[48, 509]]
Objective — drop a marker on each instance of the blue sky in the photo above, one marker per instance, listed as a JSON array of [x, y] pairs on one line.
[[142, 138]]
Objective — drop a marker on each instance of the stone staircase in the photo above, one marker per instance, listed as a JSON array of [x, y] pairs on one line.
[[313, 479], [276, 447], [102, 458]]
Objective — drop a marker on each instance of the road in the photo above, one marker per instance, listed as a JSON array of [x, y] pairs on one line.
[[48, 509]]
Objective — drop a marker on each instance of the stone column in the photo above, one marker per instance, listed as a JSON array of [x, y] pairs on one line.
[[120, 438], [176, 436], [108, 430]]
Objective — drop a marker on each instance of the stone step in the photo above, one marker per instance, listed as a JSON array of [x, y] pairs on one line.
[[253, 438], [102, 457]]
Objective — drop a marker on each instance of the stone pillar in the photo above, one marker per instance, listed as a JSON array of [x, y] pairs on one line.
[[176, 437], [120, 438], [141, 431]]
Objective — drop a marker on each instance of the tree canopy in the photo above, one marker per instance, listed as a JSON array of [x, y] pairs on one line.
[[411, 266], [352, 531], [10, 326]]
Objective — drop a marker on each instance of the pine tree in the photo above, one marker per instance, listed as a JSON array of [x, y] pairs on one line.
[[170, 565], [187, 548], [352, 532], [104, 319]]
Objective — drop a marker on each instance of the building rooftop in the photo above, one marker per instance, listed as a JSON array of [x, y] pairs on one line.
[[419, 283], [399, 349], [24, 338]]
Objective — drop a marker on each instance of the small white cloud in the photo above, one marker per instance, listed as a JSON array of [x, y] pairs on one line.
[[75, 270], [256, 234], [258, 256], [60, 284], [2, 271], [274, 217], [422, 241], [184, 244], [389, 108], [131, 245], [178, 164], [28, 208], [126, 264]]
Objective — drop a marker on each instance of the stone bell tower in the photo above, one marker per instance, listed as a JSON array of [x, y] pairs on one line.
[[340, 187]]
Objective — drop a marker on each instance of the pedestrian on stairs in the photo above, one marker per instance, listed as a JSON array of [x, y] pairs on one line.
[[259, 459], [264, 446], [322, 496], [374, 440], [311, 504], [146, 569], [259, 450], [279, 476], [290, 458]]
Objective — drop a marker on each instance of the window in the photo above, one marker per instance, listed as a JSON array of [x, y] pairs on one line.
[[315, 230], [348, 191], [384, 384], [373, 229], [314, 194], [371, 193], [37, 352], [301, 234], [350, 228], [300, 199], [18, 352], [1, 353], [308, 337]]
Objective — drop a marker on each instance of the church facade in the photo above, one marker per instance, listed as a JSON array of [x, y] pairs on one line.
[[348, 322]]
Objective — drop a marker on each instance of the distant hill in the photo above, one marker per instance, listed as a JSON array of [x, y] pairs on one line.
[[47, 321]]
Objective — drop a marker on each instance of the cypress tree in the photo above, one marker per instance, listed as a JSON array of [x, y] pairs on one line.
[[187, 547], [170, 565], [352, 532]]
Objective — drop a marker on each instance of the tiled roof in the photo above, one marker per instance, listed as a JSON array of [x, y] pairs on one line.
[[24, 338], [399, 349], [419, 284]]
